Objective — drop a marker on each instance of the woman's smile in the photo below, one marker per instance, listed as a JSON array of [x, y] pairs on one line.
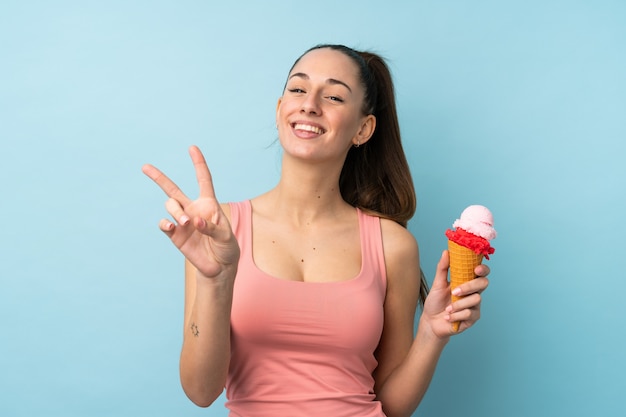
[[306, 130]]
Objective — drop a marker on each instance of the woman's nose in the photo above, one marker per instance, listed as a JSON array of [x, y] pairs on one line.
[[310, 105]]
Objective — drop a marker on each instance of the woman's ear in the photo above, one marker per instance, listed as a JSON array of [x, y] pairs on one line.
[[366, 131], [280, 99]]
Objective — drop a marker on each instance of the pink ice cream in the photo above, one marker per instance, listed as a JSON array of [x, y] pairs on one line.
[[474, 230]]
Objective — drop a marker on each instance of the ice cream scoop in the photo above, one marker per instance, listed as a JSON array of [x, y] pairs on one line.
[[468, 244], [477, 220]]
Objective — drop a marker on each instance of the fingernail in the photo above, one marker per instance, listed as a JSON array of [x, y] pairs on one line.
[[184, 219], [456, 291]]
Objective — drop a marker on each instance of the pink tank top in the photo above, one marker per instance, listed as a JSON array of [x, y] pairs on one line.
[[305, 349]]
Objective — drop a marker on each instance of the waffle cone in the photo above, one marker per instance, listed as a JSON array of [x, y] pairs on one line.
[[463, 261]]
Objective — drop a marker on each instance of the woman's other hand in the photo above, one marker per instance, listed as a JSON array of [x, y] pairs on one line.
[[200, 229]]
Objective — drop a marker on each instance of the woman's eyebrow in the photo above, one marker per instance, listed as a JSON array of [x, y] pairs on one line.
[[332, 81]]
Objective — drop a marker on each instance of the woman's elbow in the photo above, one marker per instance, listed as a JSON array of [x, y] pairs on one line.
[[201, 396]]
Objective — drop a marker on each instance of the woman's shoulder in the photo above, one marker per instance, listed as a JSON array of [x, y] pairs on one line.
[[401, 256], [227, 210], [397, 240], [227, 207]]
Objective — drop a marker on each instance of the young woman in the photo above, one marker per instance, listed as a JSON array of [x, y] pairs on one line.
[[301, 301]]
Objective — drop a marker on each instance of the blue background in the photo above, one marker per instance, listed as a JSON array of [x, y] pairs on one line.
[[517, 105]]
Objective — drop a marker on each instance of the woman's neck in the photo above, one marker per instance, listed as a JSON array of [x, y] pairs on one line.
[[305, 194]]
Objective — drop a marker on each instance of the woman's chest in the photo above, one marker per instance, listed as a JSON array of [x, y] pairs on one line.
[[283, 314], [309, 254]]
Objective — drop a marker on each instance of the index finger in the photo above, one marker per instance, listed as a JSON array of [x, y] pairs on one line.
[[168, 186], [203, 175]]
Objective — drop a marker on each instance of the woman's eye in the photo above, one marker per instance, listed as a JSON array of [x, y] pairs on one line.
[[335, 98], [296, 90]]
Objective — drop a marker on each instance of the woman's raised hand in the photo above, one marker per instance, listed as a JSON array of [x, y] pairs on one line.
[[201, 231]]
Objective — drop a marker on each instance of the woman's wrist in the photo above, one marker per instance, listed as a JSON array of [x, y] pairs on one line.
[[222, 282], [426, 332], [225, 275]]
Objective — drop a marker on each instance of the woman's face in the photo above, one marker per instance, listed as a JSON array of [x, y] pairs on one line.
[[319, 116]]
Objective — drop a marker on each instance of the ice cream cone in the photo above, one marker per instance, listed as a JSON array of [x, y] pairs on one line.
[[462, 264]]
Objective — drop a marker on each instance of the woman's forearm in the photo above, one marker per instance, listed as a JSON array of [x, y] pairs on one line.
[[205, 355], [405, 387]]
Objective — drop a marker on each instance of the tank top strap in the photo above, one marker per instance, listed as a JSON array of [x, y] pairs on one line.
[[241, 223], [372, 246]]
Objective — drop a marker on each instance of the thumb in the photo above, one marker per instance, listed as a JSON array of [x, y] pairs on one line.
[[441, 275]]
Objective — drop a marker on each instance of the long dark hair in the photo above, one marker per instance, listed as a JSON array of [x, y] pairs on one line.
[[375, 176]]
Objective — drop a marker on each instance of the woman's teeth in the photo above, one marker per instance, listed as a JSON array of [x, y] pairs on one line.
[[309, 128]]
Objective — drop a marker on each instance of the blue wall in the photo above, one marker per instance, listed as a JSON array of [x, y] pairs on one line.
[[518, 105]]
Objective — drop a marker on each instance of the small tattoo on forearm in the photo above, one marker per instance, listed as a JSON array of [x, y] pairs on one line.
[[194, 329]]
